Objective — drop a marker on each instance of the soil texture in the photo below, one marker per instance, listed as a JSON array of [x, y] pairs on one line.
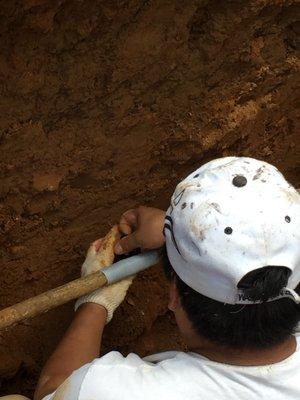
[[105, 105]]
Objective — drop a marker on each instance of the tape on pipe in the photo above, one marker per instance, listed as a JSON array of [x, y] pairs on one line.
[[130, 266]]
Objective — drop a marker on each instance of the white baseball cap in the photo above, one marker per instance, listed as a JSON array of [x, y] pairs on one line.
[[231, 216]]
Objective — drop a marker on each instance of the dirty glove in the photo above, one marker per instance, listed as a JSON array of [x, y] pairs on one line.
[[99, 256]]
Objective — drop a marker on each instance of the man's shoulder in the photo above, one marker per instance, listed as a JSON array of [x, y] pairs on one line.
[[134, 361], [165, 375], [127, 377]]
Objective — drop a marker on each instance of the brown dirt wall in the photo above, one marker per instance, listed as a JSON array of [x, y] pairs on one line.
[[107, 104]]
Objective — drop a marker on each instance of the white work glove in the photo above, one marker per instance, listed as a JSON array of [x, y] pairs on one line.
[[109, 297]]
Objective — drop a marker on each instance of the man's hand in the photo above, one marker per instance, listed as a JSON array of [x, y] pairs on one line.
[[109, 297], [143, 227]]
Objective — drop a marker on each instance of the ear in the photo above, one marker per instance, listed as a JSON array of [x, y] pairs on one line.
[[174, 299]]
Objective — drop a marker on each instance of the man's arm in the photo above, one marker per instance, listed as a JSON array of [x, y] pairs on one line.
[[79, 346], [81, 343]]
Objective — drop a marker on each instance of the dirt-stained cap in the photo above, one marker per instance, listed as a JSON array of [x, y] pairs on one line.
[[231, 216]]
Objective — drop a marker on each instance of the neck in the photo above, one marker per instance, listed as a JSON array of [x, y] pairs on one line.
[[245, 357]]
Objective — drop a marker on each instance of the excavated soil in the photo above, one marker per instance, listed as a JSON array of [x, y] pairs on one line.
[[106, 105]]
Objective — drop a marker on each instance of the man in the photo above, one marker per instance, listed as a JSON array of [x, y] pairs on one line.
[[233, 256]]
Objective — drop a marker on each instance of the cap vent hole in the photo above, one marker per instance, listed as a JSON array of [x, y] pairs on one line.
[[288, 219], [239, 181], [228, 230], [196, 176]]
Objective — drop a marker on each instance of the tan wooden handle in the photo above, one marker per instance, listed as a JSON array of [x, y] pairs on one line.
[[62, 294], [51, 299]]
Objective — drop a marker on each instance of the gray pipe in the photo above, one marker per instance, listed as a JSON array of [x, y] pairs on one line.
[[130, 266]]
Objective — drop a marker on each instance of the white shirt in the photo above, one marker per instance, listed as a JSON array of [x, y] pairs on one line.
[[179, 376]]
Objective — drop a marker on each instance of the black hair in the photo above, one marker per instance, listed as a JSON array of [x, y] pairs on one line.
[[251, 326]]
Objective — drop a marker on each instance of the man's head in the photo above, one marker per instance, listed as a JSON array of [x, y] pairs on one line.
[[233, 247], [251, 326]]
